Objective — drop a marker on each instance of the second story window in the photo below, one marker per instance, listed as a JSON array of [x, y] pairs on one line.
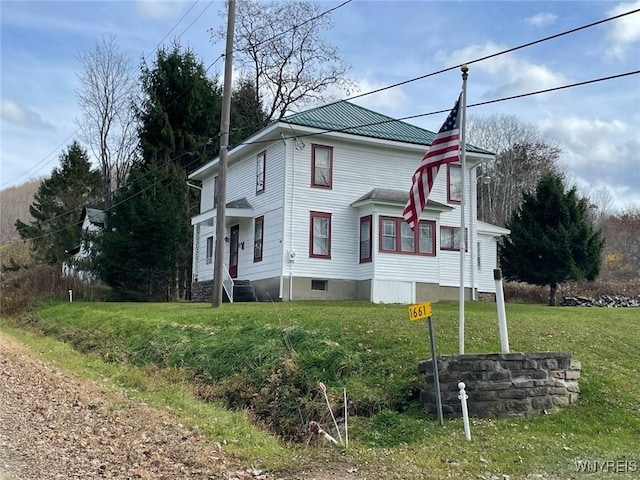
[[321, 166], [261, 161], [454, 183]]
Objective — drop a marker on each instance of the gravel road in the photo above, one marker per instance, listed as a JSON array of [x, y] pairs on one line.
[[54, 425]]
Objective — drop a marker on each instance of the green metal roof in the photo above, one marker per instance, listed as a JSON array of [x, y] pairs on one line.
[[347, 117]]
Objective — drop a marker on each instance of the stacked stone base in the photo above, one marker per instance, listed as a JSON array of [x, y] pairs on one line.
[[503, 385]]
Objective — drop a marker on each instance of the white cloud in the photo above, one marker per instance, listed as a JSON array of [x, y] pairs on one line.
[[159, 8], [541, 19], [390, 100], [13, 112], [513, 75], [599, 153], [625, 31]]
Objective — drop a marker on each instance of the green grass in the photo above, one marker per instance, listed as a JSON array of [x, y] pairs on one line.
[[282, 350]]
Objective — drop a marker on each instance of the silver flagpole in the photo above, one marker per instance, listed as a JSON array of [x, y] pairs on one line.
[[463, 154]]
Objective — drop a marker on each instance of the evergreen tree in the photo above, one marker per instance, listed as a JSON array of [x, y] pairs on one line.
[[57, 206], [551, 240], [247, 112], [180, 111], [138, 252]]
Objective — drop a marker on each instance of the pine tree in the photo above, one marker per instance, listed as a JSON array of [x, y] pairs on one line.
[[57, 206], [551, 240], [138, 252]]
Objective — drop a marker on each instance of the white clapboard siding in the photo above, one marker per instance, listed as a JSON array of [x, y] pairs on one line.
[[390, 291], [241, 183]]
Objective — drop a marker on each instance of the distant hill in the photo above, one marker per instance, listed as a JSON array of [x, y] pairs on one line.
[[14, 204]]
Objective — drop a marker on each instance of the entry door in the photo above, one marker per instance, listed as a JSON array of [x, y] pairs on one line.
[[234, 235]]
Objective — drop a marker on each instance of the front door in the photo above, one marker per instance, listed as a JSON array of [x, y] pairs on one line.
[[234, 236]]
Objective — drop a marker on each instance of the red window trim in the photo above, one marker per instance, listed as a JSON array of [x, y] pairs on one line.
[[450, 249], [258, 220], [449, 167], [367, 218], [312, 217], [416, 237], [262, 154], [315, 147]]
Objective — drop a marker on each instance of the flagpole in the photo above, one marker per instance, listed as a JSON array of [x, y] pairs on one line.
[[463, 155]]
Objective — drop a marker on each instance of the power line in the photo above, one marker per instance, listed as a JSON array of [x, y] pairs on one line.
[[420, 115], [486, 57], [78, 209], [346, 130], [46, 160], [177, 23], [196, 19]]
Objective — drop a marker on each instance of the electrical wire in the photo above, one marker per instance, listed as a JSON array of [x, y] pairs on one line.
[[178, 22], [435, 112], [487, 57], [196, 19], [346, 129], [528, 44]]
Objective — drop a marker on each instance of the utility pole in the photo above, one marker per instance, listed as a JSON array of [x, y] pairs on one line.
[[218, 267]]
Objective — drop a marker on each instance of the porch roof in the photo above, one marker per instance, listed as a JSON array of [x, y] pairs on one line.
[[235, 209], [394, 197]]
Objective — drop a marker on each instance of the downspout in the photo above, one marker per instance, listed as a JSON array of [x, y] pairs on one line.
[[284, 219], [293, 187]]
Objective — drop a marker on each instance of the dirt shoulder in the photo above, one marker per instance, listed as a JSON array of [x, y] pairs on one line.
[[54, 425]]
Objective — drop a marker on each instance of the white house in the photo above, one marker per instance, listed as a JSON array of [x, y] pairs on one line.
[[315, 206], [92, 220]]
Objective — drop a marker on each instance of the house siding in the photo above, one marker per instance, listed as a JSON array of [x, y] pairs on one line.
[[359, 165]]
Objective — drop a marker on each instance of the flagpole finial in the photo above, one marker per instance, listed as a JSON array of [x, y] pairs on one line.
[[465, 71]]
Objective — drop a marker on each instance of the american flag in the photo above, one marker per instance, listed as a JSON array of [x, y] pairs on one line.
[[444, 149]]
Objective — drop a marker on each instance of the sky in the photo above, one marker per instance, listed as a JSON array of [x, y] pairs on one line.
[[597, 126]]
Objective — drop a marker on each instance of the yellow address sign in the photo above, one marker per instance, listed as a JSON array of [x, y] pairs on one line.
[[419, 311]]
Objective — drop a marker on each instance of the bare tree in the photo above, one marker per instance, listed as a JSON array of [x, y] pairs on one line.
[[106, 96], [622, 248], [279, 46], [522, 158]]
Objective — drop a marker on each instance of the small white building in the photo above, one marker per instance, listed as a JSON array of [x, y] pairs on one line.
[[315, 206], [92, 220]]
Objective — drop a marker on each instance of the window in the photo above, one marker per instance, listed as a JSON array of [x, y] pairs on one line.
[[450, 238], [209, 256], [321, 166], [215, 191], [319, 285], [258, 236], [261, 161], [454, 183], [365, 239], [320, 235], [396, 236], [479, 256]]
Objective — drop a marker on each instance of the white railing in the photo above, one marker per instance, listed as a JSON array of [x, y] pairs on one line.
[[227, 283]]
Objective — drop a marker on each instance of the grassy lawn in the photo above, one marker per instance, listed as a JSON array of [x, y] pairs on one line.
[[280, 351]]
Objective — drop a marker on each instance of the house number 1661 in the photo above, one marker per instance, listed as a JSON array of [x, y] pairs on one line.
[[419, 311]]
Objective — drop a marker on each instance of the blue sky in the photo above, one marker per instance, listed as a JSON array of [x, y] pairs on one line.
[[597, 126]]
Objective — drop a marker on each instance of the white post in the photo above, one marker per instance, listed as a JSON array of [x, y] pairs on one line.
[[502, 314], [70, 296], [465, 413], [463, 154]]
